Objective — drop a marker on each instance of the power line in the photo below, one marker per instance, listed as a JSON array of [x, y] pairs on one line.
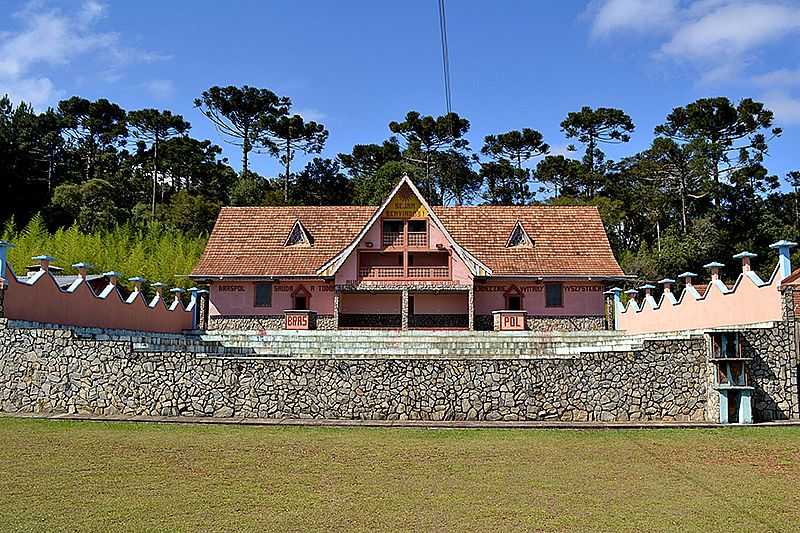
[[445, 55]]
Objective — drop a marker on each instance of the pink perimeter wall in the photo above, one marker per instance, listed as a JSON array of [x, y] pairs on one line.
[[581, 298], [747, 303], [44, 301], [440, 304], [369, 304], [230, 298]]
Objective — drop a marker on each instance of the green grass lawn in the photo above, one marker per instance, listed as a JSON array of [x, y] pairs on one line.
[[76, 476]]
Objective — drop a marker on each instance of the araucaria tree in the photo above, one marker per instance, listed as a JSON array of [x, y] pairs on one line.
[[426, 136], [507, 184], [730, 137], [675, 169], [152, 127], [93, 127], [593, 127], [286, 134], [243, 115]]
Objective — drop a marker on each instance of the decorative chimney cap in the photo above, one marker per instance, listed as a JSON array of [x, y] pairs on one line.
[[48, 258], [6, 244], [158, 284], [713, 264], [177, 290], [666, 281], [615, 290], [87, 266], [631, 292], [742, 255], [137, 279], [783, 244], [112, 274], [687, 275], [647, 286]]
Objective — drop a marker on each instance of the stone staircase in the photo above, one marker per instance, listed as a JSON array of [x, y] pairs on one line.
[[372, 344]]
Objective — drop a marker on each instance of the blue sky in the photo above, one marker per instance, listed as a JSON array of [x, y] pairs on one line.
[[356, 65]]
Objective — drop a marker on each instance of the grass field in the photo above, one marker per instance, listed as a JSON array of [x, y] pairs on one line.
[[76, 476]]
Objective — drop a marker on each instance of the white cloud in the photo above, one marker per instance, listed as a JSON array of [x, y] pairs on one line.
[[311, 114], [785, 106], [48, 39], [160, 89], [778, 78], [720, 38], [639, 16], [732, 29]]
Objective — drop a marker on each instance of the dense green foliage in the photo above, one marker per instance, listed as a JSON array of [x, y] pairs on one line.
[[152, 251], [701, 190]]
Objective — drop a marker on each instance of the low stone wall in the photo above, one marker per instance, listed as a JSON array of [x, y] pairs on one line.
[[262, 323], [60, 370], [549, 323]]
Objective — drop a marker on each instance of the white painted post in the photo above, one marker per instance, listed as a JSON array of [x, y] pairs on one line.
[[784, 248], [5, 246]]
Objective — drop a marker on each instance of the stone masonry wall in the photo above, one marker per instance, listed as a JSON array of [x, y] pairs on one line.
[[60, 370], [262, 323], [550, 323], [774, 364]]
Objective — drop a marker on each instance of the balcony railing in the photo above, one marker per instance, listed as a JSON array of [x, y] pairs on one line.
[[417, 238], [393, 238], [396, 272], [380, 272], [428, 272]]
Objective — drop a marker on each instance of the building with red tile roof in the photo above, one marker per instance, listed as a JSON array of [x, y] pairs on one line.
[[406, 264]]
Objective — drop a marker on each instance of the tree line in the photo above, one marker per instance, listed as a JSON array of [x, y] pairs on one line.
[[700, 190]]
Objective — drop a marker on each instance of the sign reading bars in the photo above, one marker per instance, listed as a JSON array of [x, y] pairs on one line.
[[405, 206]]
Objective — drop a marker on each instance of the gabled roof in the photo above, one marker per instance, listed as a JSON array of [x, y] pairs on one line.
[[569, 241], [474, 265], [249, 241]]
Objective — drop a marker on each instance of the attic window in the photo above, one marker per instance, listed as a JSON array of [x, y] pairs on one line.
[[519, 238], [299, 236]]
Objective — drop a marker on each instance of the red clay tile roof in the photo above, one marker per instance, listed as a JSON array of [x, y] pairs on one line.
[[568, 240], [249, 241]]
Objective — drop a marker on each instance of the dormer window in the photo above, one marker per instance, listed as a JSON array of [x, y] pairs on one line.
[[299, 236], [519, 237]]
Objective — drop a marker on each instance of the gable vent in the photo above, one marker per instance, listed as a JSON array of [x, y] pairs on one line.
[[299, 236], [519, 237]]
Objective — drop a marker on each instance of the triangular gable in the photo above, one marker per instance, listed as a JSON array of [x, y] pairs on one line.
[[519, 238], [473, 264], [299, 236]]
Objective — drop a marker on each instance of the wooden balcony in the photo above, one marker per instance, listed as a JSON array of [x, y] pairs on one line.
[[428, 272], [394, 238], [396, 273], [380, 272], [418, 238]]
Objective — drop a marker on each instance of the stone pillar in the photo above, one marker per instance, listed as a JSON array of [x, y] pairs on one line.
[[471, 308], [337, 294], [203, 294], [404, 310]]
